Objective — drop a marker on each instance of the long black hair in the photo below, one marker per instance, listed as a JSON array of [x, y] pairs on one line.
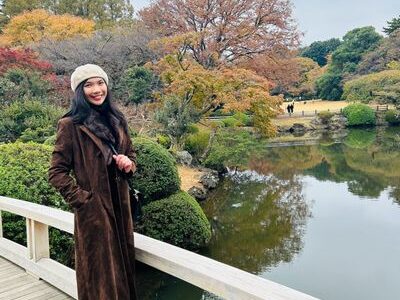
[[80, 108]]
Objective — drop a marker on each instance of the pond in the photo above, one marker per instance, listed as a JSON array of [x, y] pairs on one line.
[[323, 219]]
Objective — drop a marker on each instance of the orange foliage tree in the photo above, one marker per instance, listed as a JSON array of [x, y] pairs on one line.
[[227, 30], [229, 88], [36, 25]]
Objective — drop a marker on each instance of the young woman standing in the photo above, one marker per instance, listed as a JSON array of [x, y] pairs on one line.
[[98, 189]]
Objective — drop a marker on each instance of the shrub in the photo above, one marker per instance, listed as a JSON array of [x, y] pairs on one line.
[[368, 87], [25, 178], [392, 116], [178, 220], [325, 116], [359, 114], [28, 83], [231, 148], [31, 120], [156, 176], [196, 143], [245, 120], [164, 140], [136, 85], [231, 122]]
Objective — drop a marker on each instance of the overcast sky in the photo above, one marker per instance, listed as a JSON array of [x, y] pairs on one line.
[[324, 19]]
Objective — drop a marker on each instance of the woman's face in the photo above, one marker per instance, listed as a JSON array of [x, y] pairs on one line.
[[95, 90]]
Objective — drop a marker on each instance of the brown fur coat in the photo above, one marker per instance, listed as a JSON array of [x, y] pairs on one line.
[[104, 246]]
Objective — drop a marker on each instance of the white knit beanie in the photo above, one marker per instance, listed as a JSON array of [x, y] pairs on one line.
[[87, 71]]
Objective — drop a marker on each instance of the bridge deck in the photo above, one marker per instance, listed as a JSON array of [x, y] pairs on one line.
[[15, 283]]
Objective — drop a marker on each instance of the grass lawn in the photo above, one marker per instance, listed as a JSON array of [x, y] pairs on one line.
[[319, 105]]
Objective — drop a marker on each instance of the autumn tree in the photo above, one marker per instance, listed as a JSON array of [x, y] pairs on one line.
[[22, 59], [37, 25], [383, 57], [103, 12], [279, 68], [115, 50], [199, 90], [227, 31], [308, 71]]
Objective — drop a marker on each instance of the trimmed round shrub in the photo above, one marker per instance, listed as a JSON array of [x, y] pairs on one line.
[[157, 175], [178, 220], [359, 114], [392, 116], [23, 175]]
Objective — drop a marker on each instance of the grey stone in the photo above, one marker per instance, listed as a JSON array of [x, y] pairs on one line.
[[199, 193], [184, 158], [210, 179]]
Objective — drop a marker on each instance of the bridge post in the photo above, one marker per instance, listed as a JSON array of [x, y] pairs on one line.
[[37, 240], [1, 226]]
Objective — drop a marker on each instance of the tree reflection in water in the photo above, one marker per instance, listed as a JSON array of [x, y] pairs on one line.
[[257, 220]]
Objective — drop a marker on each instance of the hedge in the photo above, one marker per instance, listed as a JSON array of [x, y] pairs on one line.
[[157, 175], [178, 220], [25, 178], [366, 88], [359, 114]]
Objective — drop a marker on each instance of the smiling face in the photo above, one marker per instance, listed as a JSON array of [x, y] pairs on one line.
[[95, 90]]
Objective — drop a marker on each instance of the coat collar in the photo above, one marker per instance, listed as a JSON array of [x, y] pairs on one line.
[[98, 141]]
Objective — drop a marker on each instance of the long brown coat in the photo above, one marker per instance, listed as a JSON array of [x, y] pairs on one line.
[[104, 247]]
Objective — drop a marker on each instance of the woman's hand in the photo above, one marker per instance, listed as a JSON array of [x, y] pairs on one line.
[[124, 163]]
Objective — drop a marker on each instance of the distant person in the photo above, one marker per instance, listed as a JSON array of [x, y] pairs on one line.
[[87, 137]]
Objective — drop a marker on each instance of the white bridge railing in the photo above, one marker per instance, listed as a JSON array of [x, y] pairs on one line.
[[218, 278]]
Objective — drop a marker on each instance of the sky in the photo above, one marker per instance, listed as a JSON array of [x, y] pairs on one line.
[[323, 19]]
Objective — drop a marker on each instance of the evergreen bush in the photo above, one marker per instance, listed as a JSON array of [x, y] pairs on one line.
[[196, 143], [368, 87], [23, 175], [28, 120], [157, 175], [359, 114], [178, 220], [392, 116]]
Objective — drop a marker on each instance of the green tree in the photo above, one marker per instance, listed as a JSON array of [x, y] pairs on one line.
[[137, 85], [329, 86], [175, 117], [392, 26], [345, 60], [319, 50]]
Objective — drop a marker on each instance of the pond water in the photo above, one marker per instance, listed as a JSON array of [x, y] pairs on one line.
[[323, 219]]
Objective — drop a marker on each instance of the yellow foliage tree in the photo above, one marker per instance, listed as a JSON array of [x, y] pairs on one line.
[[230, 88], [33, 26]]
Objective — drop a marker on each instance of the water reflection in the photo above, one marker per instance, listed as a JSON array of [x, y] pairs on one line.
[[257, 220], [259, 213]]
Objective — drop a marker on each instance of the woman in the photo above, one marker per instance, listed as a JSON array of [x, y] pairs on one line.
[[98, 193]]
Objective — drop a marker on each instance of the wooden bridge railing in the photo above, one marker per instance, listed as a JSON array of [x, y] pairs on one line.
[[218, 278]]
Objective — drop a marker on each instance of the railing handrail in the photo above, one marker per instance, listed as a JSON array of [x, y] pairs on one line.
[[218, 278]]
